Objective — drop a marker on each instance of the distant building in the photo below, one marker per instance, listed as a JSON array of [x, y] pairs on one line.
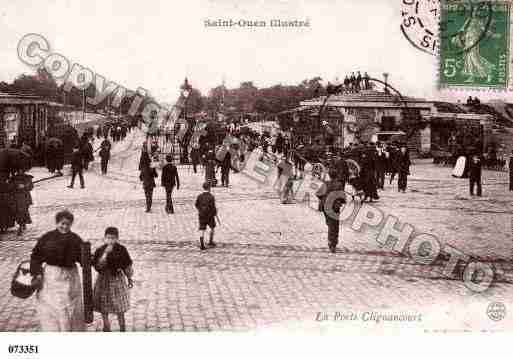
[[25, 118], [358, 117]]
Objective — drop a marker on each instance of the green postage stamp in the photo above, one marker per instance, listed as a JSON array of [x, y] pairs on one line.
[[475, 44]]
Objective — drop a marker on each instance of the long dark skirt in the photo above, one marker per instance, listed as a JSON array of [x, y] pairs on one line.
[[21, 203], [6, 211]]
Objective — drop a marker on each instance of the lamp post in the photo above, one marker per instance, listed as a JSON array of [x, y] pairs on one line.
[[385, 76], [186, 91]]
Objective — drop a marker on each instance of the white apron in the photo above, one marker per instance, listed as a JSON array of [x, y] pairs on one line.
[[59, 302]]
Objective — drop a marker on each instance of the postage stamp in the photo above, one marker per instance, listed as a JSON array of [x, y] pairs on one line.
[[475, 44]]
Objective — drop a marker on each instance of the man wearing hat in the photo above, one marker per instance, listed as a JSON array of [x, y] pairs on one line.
[[169, 180]]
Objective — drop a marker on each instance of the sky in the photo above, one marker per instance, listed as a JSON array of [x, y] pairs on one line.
[[156, 44]]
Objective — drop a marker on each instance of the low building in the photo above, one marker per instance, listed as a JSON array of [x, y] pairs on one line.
[[25, 118], [357, 117]]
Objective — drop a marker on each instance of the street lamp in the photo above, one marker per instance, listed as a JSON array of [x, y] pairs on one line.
[[385, 76], [186, 91]]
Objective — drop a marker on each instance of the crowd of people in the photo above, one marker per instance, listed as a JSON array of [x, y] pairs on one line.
[[353, 83], [170, 179], [60, 248], [16, 186]]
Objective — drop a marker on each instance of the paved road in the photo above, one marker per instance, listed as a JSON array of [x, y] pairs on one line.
[[272, 268]]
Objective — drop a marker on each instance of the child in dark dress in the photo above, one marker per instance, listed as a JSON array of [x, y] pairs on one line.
[[113, 264]]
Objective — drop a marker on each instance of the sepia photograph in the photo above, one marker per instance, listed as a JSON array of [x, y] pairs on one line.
[[289, 167]]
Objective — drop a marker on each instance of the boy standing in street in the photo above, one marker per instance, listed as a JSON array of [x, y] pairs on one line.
[[207, 213], [169, 180]]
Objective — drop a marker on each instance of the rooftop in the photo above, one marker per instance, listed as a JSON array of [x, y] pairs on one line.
[[365, 96], [23, 99]]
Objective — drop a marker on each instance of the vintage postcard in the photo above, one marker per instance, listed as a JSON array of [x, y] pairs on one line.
[[255, 167]]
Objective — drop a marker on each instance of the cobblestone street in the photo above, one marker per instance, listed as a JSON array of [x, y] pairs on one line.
[[271, 267]]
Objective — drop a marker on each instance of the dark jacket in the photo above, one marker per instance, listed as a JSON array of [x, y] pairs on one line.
[[104, 154], [206, 205], [475, 169], [148, 176], [57, 249], [170, 176], [226, 163], [403, 162], [144, 161], [118, 259], [195, 155], [87, 151], [324, 192], [381, 162], [76, 160], [106, 144]]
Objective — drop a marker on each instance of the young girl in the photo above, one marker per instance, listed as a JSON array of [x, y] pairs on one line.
[[22, 184], [113, 264]]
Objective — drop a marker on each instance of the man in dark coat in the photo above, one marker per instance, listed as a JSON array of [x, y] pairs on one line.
[[331, 199], [381, 164], [226, 165], [87, 152], [147, 176], [207, 212], [144, 160], [77, 164], [169, 180], [403, 162], [475, 175], [368, 176], [105, 155], [195, 158]]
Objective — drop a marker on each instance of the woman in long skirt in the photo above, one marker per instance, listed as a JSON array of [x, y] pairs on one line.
[[53, 266], [22, 199], [6, 215]]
